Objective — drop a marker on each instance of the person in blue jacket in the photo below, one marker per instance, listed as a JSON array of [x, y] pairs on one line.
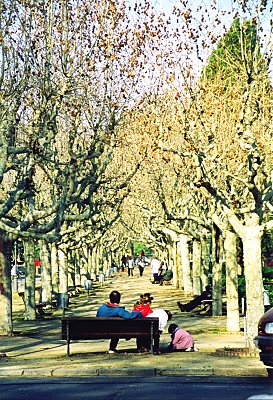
[[113, 309]]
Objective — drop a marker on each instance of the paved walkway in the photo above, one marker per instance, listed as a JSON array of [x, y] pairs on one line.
[[37, 350]]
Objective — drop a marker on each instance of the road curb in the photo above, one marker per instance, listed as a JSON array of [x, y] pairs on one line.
[[92, 372]]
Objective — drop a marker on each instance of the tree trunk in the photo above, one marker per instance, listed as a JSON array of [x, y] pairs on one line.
[[178, 262], [70, 269], [55, 269], [175, 265], [254, 282], [77, 268], [89, 261], [46, 280], [85, 257], [29, 297], [93, 273], [217, 289], [186, 269], [216, 272], [96, 261], [6, 327], [100, 259], [169, 257], [63, 271], [233, 319], [205, 239], [196, 267]]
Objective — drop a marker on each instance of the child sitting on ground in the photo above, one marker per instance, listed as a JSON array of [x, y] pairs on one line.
[[181, 340]]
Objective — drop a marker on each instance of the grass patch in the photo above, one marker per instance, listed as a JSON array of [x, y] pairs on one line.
[[208, 330]]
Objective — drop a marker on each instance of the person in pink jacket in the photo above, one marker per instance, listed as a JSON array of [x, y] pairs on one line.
[[181, 340]]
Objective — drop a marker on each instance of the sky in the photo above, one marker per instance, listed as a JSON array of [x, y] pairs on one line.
[[218, 29], [227, 5], [168, 4]]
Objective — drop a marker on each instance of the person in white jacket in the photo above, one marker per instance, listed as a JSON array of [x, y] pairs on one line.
[[155, 265], [163, 315], [144, 344]]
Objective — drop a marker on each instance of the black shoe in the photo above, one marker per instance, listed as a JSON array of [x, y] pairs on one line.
[[143, 350], [182, 308]]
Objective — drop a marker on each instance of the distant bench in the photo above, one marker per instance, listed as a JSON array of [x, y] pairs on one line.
[[89, 328], [40, 308]]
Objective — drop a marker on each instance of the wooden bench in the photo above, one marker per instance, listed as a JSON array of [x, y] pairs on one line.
[[89, 328], [40, 308], [169, 282]]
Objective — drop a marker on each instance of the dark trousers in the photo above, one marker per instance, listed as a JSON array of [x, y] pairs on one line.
[[196, 302], [143, 342], [113, 344]]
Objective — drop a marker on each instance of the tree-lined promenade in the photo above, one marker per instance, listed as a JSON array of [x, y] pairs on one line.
[[121, 124]]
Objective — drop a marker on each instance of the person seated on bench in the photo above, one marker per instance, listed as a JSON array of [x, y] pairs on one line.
[[143, 305], [163, 315], [166, 276], [113, 309], [206, 295], [144, 344]]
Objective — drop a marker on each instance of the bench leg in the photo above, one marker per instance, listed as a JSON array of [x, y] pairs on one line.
[[67, 339], [152, 338], [68, 348], [156, 343]]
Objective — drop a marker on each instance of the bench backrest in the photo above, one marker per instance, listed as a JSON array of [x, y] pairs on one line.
[[106, 328]]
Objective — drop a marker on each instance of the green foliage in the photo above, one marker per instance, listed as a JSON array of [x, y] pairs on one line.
[[241, 287], [267, 250], [267, 244], [138, 246], [267, 272], [235, 49], [241, 284]]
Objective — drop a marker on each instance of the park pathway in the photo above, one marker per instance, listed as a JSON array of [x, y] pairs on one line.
[[37, 349], [165, 297]]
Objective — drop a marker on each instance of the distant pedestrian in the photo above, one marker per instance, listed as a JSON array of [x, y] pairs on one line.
[[155, 265], [142, 254], [123, 262], [141, 265], [130, 266]]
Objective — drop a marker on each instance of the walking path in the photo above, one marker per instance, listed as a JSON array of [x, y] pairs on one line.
[[37, 350]]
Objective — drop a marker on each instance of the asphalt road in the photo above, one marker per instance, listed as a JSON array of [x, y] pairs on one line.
[[137, 388]]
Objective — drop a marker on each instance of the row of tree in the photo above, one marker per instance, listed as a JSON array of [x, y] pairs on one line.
[[107, 137], [69, 73]]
